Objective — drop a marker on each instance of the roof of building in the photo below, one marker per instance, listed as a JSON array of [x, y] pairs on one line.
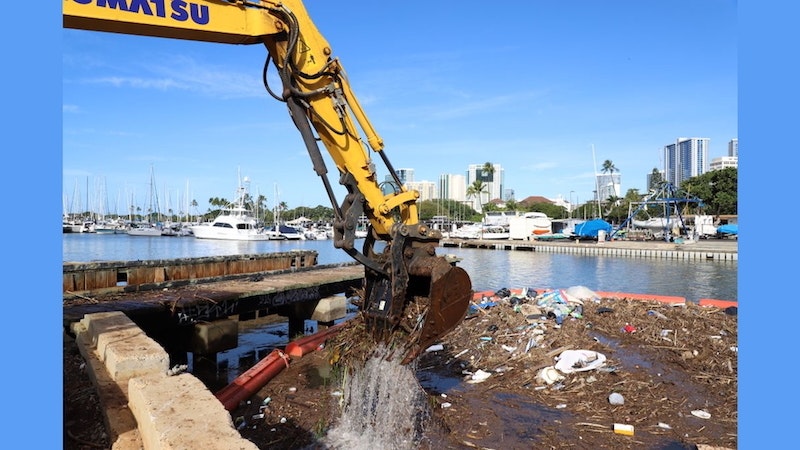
[[535, 199]]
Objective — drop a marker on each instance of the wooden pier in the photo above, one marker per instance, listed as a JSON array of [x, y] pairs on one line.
[[130, 276], [290, 292]]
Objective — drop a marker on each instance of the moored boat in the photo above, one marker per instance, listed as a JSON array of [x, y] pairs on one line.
[[234, 223], [147, 229]]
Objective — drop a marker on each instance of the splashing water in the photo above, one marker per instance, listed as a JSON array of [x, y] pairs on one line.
[[384, 407]]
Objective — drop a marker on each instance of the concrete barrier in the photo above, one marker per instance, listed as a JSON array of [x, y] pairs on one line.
[[144, 407]]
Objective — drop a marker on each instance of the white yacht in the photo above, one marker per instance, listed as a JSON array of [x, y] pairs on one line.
[[235, 223]]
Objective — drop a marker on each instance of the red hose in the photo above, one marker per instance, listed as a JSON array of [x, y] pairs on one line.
[[248, 383], [307, 344]]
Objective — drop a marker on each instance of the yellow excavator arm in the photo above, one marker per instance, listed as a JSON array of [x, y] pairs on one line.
[[407, 287]]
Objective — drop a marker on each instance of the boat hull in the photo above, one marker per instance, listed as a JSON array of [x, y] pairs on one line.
[[209, 232], [144, 232]]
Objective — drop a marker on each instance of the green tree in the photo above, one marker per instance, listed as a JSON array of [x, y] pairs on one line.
[[511, 205], [717, 190], [452, 209], [194, 208], [608, 167], [488, 170], [656, 179], [260, 206], [553, 211], [488, 174], [475, 190]]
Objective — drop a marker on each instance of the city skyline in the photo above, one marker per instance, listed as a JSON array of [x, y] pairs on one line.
[[199, 114]]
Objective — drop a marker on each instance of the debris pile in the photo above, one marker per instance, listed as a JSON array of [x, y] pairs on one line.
[[538, 370], [608, 362]]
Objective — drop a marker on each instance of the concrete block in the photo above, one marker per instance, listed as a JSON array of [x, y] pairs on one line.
[[179, 412], [215, 337], [119, 421], [123, 347], [330, 308]]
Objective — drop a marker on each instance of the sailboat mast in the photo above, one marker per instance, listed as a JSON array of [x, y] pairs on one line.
[[88, 211], [596, 183]]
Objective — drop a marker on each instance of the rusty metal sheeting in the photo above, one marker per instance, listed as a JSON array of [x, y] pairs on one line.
[[117, 275]]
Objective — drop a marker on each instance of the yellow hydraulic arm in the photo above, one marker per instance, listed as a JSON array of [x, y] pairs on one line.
[[406, 285]]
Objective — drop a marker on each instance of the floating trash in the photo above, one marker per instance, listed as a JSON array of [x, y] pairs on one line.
[[616, 399], [435, 348], [240, 422], [579, 360], [479, 376], [549, 375], [656, 314], [623, 428], [701, 414]]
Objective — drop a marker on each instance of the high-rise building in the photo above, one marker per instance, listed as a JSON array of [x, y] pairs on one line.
[[608, 185], [453, 187], [405, 175], [733, 147], [686, 158], [427, 189], [492, 179], [724, 162]]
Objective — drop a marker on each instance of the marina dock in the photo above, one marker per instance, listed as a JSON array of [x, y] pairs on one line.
[[232, 289], [707, 249]]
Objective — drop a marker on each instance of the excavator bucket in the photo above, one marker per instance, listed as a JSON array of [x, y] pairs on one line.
[[449, 295], [422, 304]]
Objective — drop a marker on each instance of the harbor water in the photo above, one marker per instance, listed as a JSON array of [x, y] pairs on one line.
[[488, 269]]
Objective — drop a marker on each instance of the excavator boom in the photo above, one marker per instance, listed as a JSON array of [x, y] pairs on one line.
[[407, 286]]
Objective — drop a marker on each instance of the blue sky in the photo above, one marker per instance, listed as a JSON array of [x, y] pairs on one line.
[[531, 88]]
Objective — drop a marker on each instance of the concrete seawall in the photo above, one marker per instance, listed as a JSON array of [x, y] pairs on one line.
[[719, 250], [145, 407]]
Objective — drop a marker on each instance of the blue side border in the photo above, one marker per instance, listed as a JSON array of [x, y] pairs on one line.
[[768, 319], [31, 179]]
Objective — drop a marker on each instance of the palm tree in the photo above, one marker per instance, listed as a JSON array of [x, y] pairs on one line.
[[511, 205], [279, 208], [488, 168], [475, 189], [261, 206], [609, 167], [487, 175], [611, 202]]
